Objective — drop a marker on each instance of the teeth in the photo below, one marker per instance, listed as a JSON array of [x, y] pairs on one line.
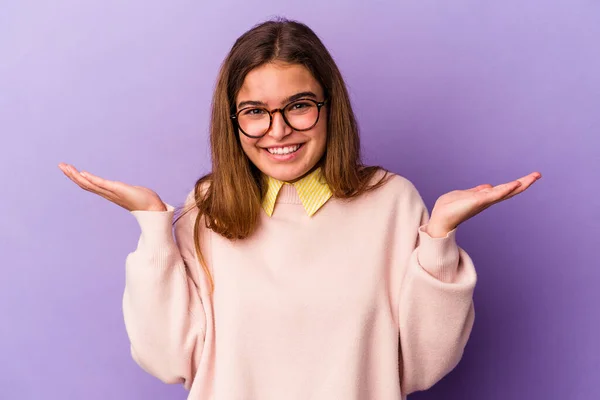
[[283, 150]]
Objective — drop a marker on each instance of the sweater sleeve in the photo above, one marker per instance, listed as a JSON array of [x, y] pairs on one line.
[[162, 308], [436, 312]]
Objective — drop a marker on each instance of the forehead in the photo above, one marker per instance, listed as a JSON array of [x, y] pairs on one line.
[[273, 82]]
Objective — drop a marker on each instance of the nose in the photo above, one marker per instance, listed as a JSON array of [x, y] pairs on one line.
[[279, 129]]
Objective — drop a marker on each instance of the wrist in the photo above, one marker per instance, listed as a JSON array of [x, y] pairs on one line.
[[437, 230], [160, 207]]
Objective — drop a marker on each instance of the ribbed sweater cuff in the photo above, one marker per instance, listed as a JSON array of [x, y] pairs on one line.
[[156, 226], [439, 256]]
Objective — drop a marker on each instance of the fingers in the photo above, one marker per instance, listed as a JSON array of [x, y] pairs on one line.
[[510, 189], [507, 188], [103, 184], [89, 182], [480, 187], [526, 182], [499, 190]]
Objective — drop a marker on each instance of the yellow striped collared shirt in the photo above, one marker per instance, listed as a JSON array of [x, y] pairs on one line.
[[312, 190]]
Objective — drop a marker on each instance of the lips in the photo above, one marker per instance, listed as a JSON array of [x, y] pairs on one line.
[[278, 154]]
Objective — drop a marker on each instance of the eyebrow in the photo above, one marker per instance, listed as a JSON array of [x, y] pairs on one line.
[[285, 101]]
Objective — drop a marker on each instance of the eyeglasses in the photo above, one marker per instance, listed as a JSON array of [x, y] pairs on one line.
[[300, 115]]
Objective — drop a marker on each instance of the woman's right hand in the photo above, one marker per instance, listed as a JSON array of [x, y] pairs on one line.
[[131, 198]]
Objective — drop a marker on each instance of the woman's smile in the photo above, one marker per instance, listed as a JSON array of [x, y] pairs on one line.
[[284, 153]]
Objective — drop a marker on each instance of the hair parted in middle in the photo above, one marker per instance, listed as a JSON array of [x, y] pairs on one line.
[[228, 199]]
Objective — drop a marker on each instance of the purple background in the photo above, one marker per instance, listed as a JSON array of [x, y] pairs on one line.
[[448, 94]]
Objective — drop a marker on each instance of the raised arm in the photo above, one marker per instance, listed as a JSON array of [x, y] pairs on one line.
[[436, 312], [163, 311]]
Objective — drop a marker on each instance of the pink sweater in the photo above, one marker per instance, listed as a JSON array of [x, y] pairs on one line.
[[355, 302]]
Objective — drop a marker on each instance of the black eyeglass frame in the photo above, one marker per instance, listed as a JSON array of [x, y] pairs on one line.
[[319, 104]]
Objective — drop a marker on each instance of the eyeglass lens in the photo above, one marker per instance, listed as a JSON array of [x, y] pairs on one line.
[[300, 115]]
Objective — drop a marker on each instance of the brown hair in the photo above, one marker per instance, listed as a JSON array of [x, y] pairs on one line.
[[229, 198]]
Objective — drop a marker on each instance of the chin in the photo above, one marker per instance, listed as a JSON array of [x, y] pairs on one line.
[[285, 172]]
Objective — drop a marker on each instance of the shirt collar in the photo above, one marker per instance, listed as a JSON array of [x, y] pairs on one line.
[[312, 190]]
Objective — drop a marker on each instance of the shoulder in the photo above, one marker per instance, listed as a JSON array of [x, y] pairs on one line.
[[396, 201], [384, 191], [198, 192], [395, 185], [188, 212], [396, 193]]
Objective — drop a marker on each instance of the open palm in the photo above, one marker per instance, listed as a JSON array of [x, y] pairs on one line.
[[453, 208], [130, 197]]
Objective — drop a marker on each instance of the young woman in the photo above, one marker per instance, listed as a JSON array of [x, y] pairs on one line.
[[296, 272]]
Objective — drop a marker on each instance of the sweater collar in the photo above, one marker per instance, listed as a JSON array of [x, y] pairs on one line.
[[312, 190]]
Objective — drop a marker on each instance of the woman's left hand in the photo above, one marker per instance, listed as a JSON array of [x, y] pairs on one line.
[[455, 207]]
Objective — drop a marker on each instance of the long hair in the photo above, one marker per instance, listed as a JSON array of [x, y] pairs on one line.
[[228, 199]]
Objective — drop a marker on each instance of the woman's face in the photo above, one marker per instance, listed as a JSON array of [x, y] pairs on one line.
[[271, 86]]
